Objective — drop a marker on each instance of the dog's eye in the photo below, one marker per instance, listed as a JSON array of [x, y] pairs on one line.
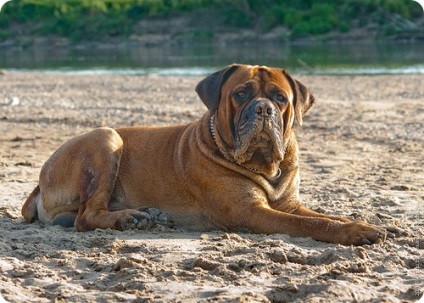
[[241, 94], [280, 98]]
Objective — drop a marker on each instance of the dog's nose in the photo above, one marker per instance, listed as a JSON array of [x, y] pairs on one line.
[[263, 109]]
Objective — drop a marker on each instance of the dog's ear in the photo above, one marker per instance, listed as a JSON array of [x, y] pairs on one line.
[[302, 98], [209, 89]]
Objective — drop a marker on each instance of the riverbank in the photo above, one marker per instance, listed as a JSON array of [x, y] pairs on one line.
[[342, 58], [174, 32], [361, 157]]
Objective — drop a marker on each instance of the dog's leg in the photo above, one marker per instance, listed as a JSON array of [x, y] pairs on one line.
[[94, 210], [258, 217], [306, 212], [29, 209], [392, 231], [97, 184], [77, 182], [320, 228]]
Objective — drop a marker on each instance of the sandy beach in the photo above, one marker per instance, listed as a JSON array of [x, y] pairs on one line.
[[362, 156]]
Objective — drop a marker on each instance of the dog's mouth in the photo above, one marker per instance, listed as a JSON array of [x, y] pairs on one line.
[[259, 138]]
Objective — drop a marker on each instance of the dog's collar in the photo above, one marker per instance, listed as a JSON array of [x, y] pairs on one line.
[[257, 171]]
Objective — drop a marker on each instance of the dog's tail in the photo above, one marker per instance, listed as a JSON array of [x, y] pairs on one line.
[[29, 209]]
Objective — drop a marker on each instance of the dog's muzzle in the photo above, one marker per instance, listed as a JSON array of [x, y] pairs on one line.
[[259, 130]]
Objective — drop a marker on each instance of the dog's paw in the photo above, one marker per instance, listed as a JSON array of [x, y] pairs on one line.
[[361, 233], [134, 220], [157, 216], [144, 218], [394, 232]]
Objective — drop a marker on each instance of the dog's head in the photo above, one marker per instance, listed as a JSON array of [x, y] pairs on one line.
[[254, 109]]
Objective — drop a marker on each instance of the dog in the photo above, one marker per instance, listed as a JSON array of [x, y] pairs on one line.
[[236, 169]]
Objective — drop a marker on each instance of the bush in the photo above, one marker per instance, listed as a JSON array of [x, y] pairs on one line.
[[236, 17], [4, 35], [398, 7], [344, 27], [301, 29], [292, 17], [137, 12], [4, 21], [324, 18], [274, 16]]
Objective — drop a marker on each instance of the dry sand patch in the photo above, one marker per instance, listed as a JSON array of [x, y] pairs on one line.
[[362, 155]]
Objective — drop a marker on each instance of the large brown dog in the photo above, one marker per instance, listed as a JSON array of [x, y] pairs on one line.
[[236, 168]]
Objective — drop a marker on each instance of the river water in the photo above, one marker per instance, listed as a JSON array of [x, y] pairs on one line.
[[378, 58]]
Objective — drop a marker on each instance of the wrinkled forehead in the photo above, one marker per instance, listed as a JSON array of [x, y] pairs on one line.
[[263, 75]]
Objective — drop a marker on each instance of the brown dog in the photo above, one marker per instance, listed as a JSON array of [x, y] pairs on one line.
[[236, 168]]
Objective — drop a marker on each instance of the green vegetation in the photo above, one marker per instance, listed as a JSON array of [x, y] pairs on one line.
[[308, 17], [88, 19]]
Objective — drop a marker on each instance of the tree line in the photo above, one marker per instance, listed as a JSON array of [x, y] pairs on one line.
[[86, 19]]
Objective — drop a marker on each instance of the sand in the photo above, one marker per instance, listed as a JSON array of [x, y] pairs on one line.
[[362, 155]]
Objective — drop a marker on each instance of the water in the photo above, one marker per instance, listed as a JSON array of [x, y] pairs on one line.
[[199, 60]]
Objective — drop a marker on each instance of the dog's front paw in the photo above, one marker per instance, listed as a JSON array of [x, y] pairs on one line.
[[394, 232], [361, 233]]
